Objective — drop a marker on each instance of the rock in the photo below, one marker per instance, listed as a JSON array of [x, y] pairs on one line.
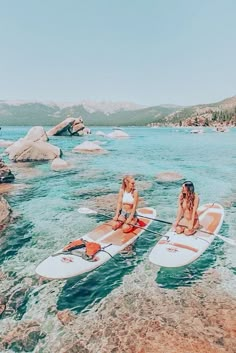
[[66, 316], [37, 133], [100, 133], [5, 212], [62, 128], [23, 337], [25, 150], [33, 147], [68, 127], [86, 131], [17, 298], [116, 134], [6, 175], [169, 176], [5, 143], [59, 164], [88, 146], [77, 126], [3, 302], [75, 347]]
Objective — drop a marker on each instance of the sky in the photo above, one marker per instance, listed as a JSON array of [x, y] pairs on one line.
[[148, 52]]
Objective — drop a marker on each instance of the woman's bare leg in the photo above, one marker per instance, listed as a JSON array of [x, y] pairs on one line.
[[179, 229], [129, 227], [117, 224]]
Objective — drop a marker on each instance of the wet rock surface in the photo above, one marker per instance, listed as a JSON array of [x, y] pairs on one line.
[[168, 176], [134, 319], [5, 212], [6, 176], [22, 337]]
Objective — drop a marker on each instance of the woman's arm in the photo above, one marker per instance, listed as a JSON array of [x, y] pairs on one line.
[[119, 205], [179, 213], [135, 205], [195, 207]]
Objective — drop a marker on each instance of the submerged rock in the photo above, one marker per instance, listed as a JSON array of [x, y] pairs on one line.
[[88, 146], [5, 212], [59, 164], [6, 175], [65, 316], [23, 337], [117, 134], [169, 176]]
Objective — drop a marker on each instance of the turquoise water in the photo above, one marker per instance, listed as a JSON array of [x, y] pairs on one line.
[[47, 206]]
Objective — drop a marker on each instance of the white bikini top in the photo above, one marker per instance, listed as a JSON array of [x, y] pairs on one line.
[[128, 198]]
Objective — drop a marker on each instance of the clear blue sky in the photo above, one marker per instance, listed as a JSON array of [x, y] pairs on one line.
[[144, 51]]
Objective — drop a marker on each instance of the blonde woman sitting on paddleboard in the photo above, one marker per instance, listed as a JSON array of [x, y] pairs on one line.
[[187, 221], [127, 203]]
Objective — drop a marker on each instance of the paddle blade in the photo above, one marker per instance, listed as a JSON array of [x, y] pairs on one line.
[[227, 240], [86, 210]]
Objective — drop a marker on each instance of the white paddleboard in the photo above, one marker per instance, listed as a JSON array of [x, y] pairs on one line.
[[176, 250], [65, 265]]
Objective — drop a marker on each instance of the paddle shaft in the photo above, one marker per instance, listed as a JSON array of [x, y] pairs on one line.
[[229, 241], [130, 224]]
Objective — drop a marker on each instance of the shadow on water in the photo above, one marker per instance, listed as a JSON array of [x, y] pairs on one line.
[[82, 292], [14, 238], [186, 276]]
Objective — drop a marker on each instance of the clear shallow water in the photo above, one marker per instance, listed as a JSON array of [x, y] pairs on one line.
[[48, 216]]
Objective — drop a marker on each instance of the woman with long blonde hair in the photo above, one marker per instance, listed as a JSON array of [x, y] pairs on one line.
[[127, 203], [187, 221]]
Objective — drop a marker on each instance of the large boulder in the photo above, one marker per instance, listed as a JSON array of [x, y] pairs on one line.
[[26, 150], [62, 128], [68, 127], [5, 212], [6, 175], [37, 133], [33, 147]]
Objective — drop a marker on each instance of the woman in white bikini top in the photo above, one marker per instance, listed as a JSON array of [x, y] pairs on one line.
[[127, 203], [128, 198]]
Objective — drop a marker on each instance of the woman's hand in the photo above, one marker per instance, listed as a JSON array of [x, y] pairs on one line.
[[190, 226], [128, 220], [115, 218], [174, 225]]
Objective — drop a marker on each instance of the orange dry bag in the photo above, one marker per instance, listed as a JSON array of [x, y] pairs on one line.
[[92, 248], [76, 244]]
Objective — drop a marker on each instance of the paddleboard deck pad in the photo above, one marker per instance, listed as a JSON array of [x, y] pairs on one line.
[[176, 250], [65, 264]]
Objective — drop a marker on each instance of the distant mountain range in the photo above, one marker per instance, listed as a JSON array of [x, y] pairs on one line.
[[30, 113]]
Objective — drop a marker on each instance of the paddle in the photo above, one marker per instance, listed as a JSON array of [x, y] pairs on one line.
[[89, 211], [86, 210], [227, 240]]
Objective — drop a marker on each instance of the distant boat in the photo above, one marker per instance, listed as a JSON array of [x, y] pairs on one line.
[[117, 128], [221, 129], [196, 131]]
